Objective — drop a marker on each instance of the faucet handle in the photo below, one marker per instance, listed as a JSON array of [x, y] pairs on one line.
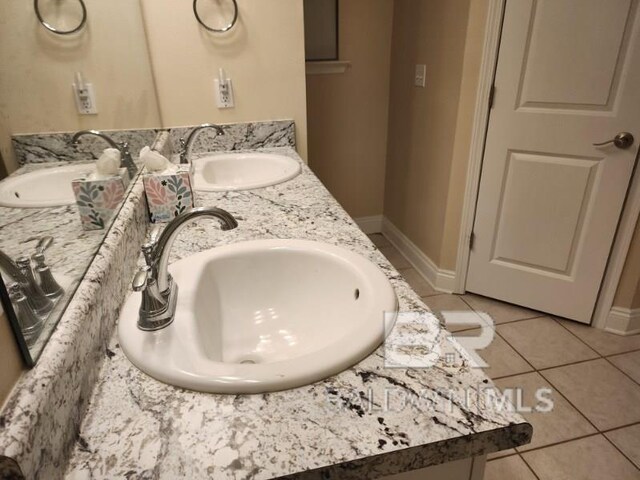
[[139, 283], [155, 234], [44, 243], [23, 262], [147, 250], [15, 292]]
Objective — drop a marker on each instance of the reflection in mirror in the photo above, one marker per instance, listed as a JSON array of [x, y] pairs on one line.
[[53, 218], [61, 190]]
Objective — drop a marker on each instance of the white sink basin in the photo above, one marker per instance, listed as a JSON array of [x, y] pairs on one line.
[[242, 171], [263, 315], [48, 187]]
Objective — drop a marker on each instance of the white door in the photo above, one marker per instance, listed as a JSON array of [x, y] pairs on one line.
[[568, 76]]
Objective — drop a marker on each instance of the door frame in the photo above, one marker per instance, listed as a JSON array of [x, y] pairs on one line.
[[631, 208]]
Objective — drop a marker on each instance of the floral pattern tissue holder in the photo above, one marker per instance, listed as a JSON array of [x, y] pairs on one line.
[[99, 200], [168, 195]]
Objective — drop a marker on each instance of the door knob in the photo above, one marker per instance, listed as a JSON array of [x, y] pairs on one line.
[[622, 140]]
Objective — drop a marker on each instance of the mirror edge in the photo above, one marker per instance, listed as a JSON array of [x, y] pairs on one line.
[[7, 306]]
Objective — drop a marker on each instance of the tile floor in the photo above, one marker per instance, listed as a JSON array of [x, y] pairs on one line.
[[593, 432]]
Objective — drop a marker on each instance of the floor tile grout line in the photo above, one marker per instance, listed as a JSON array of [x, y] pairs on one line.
[[621, 371], [635, 350], [529, 466], [555, 444], [570, 402], [581, 437], [516, 350], [557, 390], [572, 333], [515, 452], [493, 379], [555, 366], [621, 427], [601, 434], [621, 452], [536, 315], [577, 362]]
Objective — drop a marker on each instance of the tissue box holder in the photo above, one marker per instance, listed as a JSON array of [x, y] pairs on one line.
[[168, 195], [99, 200]]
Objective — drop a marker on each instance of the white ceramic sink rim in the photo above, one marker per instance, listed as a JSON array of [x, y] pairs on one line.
[[169, 356], [46, 187], [242, 171]]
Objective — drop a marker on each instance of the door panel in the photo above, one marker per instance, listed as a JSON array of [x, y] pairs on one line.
[[542, 210], [555, 69], [568, 75]]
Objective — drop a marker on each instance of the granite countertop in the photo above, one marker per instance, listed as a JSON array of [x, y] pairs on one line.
[[365, 422]]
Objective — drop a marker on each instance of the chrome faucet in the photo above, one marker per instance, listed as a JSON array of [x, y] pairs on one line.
[[159, 291], [20, 271], [127, 161], [186, 145]]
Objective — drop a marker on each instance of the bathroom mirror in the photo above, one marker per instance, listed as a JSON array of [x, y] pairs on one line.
[[97, 77], [46, 250]]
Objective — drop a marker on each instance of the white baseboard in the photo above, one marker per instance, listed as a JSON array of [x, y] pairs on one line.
[[369, 225], [623, 321], [440, 279]]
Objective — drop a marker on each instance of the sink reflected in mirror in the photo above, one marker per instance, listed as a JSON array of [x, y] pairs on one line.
[[263, 315], [46, 187], [242, 171]]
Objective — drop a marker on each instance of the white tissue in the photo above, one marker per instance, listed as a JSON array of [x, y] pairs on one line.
[[154, 161], [108, 164]]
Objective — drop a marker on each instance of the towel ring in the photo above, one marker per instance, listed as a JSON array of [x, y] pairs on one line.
[[215, 30], [55, 30]]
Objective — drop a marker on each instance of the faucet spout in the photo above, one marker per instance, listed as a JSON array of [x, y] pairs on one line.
[[127, 161], [186, 145], [169, 234], [159, 291]]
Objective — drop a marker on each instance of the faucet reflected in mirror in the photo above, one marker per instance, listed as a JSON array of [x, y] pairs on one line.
[[33, 290], [187, 145], [123, 147]]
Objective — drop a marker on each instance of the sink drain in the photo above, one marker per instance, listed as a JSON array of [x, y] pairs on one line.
[[248, 362]]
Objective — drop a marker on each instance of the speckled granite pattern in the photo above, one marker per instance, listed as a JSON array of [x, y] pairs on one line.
[[342, 427], [41, 419], [55, 147], [240, 136]]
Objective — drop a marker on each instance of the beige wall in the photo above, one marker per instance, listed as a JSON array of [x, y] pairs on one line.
[[464, 125], [427, 139], [10, 359], [348, 113], [38, 69], [263, 55], [628, 293]]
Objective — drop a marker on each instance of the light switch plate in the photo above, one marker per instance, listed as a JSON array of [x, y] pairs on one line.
[[421, 76]]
